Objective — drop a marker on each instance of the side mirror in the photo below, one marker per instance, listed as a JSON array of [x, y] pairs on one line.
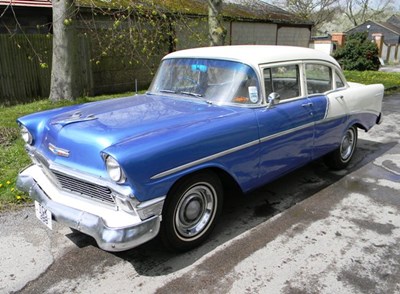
[[273, 99]]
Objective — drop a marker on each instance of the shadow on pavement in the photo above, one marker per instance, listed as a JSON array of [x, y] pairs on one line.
[[241, 213]]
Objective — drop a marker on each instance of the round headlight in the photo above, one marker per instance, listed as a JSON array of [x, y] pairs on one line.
[[114, 170], [26, 135]]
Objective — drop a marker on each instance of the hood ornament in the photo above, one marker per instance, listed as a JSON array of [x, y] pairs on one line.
[[58, 151], [74, 118]]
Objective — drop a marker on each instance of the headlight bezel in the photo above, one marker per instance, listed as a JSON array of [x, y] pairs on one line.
[[114, 170], [26, 135]]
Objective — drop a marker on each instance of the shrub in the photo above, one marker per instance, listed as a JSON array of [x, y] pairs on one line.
[[358, 53]]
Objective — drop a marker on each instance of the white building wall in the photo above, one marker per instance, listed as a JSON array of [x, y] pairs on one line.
[[326, 47]]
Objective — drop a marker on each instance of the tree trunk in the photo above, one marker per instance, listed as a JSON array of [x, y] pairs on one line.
[[64, 81], [216, 30]]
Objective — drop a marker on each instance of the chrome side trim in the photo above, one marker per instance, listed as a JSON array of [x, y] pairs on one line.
[[274, 136], [367, 111], [204, 159], [328, 119], [250, 144], [150, 208], [229, 151]]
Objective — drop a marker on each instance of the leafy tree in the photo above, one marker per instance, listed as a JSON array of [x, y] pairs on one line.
[[336, 16], [358, 53], [359, 11], [139, 31], [317, 11]]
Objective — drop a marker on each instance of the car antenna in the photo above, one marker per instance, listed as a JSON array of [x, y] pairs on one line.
[[136, 90]]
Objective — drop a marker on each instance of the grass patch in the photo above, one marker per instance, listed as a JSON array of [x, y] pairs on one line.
[[391, 80], [12, 151]]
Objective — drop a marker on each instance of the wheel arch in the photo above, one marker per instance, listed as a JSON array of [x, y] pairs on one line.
[[228, 181], [360, 126], [184, 227]]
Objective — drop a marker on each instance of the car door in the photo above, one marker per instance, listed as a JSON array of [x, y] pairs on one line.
[[327, 88], [287, 128]]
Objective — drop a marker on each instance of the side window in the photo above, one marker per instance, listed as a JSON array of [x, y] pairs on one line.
[[339, 81], [319, 78], [283, 80]]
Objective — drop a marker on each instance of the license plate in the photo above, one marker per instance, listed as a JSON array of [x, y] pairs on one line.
[[44, 215]]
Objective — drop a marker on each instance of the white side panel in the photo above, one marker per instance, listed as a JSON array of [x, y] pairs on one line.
[[356, 99]]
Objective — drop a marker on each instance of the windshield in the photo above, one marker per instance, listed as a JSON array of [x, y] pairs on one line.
[[216, 81]]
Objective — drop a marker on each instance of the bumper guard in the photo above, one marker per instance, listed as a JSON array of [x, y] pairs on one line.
[[108, 238]]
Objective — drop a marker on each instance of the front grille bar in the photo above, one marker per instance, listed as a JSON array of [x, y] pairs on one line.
[[85, 189]]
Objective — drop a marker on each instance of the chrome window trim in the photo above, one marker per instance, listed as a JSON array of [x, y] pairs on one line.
[[334, 70], [301, 77], [260, 103]]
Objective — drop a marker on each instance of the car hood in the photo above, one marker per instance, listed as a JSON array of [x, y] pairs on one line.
[[75, 137]]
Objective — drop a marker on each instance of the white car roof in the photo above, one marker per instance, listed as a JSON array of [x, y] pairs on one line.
[[254, 54]]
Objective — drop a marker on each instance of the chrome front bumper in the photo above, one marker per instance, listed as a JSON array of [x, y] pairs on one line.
[[110, 238]]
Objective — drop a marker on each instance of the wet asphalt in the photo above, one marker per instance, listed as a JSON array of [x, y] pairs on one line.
[[312, 231]]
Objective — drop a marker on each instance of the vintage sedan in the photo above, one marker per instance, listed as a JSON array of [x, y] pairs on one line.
[[125, 170]]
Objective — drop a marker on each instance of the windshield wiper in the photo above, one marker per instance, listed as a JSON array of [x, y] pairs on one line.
[[183, 92], [197, 95], [167, 91], [191, 94]]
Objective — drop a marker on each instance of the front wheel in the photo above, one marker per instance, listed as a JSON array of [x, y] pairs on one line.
[[190, 211], [340, 158]]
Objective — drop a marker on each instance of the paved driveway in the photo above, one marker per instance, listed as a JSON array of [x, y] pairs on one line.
[[313, 231], [393, 68]]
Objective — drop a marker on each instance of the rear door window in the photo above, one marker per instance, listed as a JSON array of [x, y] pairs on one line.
[[319, 78]]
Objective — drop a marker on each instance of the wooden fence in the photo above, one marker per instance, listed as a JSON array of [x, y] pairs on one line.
[[25, 63], [390, 53], [25, 69]]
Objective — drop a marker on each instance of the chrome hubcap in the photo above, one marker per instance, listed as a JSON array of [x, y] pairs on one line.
[[195, 211], [347, 146]]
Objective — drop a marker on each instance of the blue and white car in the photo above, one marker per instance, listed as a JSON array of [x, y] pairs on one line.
[[126, 170]]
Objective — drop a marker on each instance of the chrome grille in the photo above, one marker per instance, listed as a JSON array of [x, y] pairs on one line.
[[85, 189]]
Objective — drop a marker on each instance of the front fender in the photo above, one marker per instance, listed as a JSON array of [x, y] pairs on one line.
[[153, 163]]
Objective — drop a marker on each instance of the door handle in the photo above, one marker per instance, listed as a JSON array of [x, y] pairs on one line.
[[307, 104]]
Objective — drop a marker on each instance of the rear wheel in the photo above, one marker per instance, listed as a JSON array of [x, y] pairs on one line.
[[340, 158], [191, 210]]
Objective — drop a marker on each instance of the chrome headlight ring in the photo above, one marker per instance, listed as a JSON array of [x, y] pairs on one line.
[[114, 170], [26, 135]]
